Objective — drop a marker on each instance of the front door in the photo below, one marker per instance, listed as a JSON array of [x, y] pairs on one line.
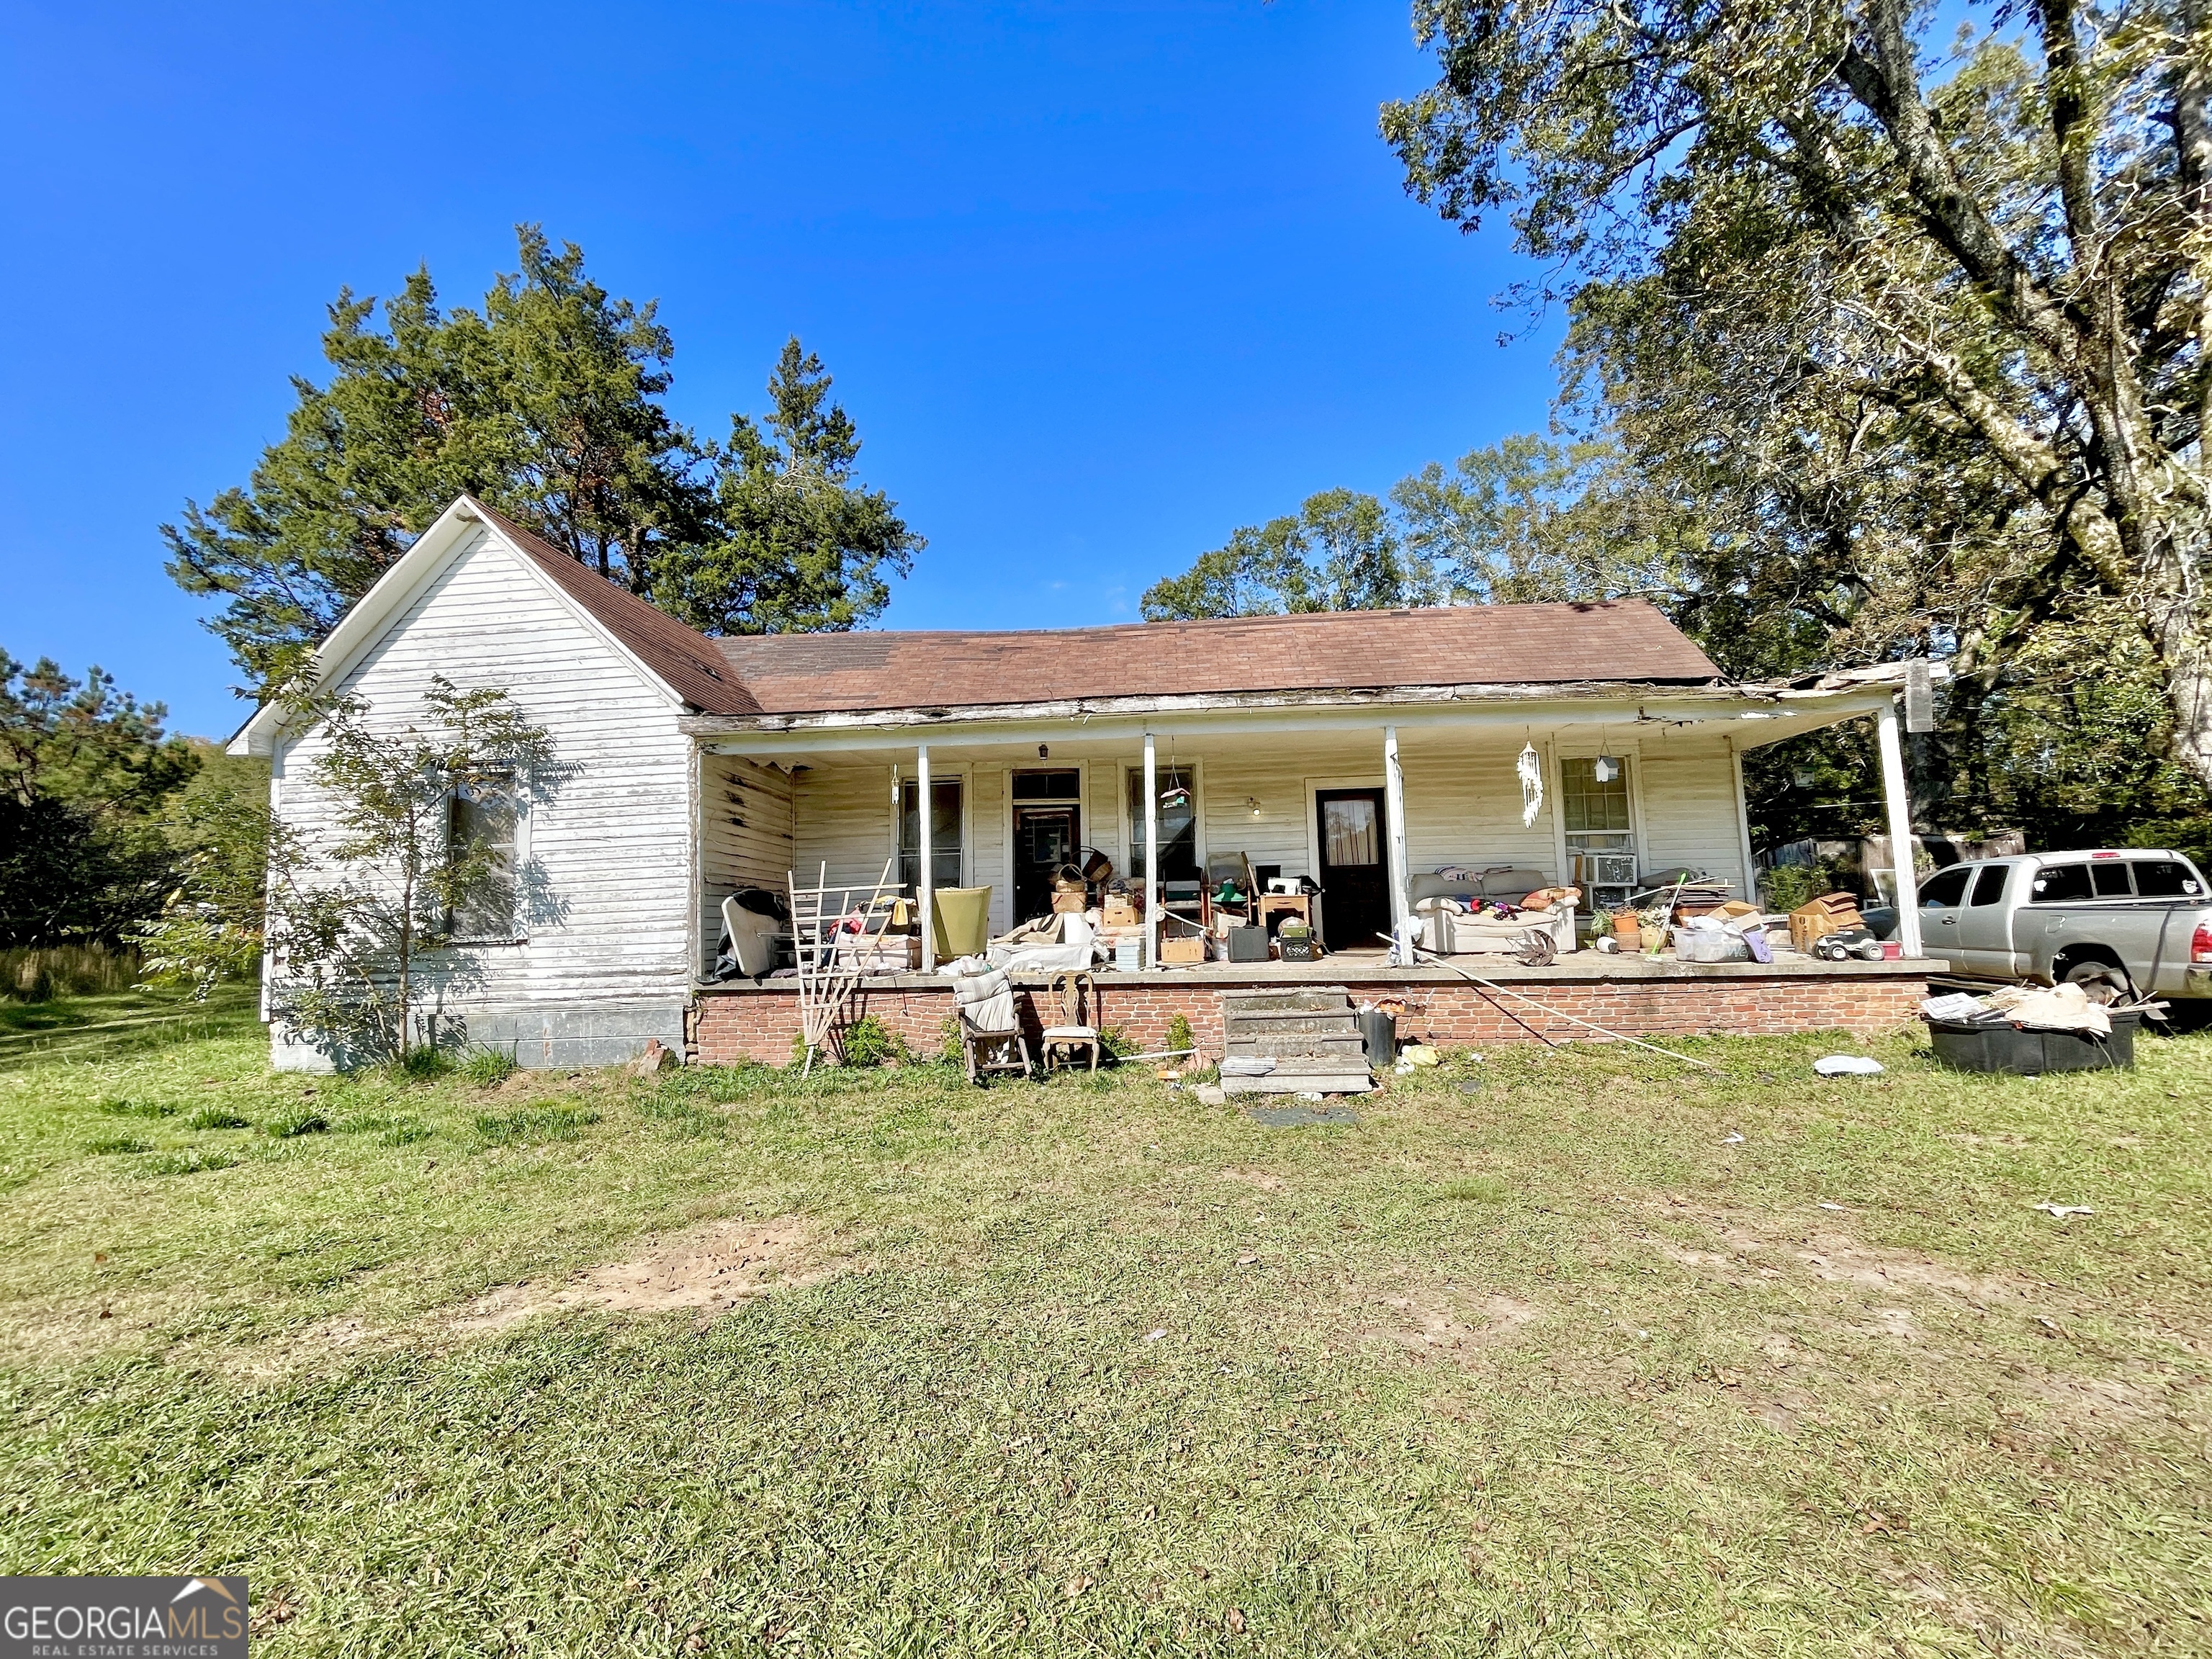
[[1045, 838], [1355, 869]]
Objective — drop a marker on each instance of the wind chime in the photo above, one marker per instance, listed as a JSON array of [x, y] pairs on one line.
[[1530, 769]]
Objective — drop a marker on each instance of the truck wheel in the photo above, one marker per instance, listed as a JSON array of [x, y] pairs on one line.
[[2102, 982]]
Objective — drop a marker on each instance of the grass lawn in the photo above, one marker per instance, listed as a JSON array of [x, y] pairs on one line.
[[1537, 1357]]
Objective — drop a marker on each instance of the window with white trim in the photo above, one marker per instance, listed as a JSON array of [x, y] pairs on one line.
[[944, 838], [1597, 813], [482, 824]]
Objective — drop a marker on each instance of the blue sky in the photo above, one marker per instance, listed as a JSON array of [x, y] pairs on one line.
[[1098, 283]]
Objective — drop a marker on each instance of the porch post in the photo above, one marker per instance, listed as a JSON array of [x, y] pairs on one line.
[[1394, 805], [1906, 882], [929, 895], [1151, 858]]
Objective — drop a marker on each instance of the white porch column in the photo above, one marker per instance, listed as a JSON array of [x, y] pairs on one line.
[[1904, 879], [1394, 805], [929, 894], [1151, 858]]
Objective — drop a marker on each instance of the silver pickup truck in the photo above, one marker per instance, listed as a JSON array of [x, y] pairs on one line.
[[2124, 921]]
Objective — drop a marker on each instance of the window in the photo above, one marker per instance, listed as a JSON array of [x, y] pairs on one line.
[[1989, 885], [2165, 879], [2111, 880], [480, 825], [1048, 786], [1178, 814], [1595, 811], [1946, 889], [944, 833], [1349, 832], [2061, 884]]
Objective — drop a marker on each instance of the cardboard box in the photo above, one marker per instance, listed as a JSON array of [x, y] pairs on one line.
[[1120, 910], [1828, 914], [1175, 952]]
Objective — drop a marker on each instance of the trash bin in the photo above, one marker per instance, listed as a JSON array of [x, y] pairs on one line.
[[1380, 1031], [960, 921], [1993, 1046]]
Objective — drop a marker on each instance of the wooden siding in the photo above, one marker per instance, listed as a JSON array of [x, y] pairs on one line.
[[1462, 803], [744, 836], [608, 867]]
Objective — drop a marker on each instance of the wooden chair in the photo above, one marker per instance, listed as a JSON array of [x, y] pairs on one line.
[[993, 1051], [990, 1029], [1073, 1007]]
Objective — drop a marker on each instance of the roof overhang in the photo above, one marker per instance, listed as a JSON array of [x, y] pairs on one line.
[[1753, 714]]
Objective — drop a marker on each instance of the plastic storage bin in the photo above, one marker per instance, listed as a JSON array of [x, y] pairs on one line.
[[1972, 1046]]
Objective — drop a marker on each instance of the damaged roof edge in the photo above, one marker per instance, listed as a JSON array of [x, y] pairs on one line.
[[1344, 698]]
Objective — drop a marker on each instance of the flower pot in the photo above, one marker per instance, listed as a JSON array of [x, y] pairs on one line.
[[1651, 938], [1625, 929]]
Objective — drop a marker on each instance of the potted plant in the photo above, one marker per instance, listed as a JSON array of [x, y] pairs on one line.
[[1600, 922], [1624, 926], [1651, 929]]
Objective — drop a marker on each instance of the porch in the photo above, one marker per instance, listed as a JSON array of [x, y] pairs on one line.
[[738, 1020], [1600, 790]]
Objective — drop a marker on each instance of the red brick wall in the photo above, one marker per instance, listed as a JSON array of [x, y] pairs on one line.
[[759, 1025]]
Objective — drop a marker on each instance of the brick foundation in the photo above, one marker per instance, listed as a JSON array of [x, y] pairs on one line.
[[746, 1021]]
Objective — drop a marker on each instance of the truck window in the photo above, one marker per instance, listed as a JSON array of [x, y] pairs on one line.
[[1989, 886], [2164, 878], [2061, 884], [2111, 880], [1946, 889]]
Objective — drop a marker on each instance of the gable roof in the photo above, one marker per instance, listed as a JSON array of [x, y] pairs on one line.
[[684, 659], [1612, 640]]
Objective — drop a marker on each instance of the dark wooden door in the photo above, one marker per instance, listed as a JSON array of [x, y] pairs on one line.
[[1355, 868], [1045, 838]]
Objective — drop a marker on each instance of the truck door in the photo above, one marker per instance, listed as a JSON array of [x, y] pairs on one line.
[[1985, 925], [1942, 900]]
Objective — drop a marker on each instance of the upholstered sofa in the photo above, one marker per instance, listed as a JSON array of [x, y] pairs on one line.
[[1449, 908]]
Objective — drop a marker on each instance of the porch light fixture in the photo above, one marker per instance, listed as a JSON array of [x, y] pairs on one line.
[[1044, 751], [1253, 802]]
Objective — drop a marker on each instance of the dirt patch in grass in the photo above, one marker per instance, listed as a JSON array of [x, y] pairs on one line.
[[710, 1269], [1453, 1325], [1260, 1178], [1836, 1258]]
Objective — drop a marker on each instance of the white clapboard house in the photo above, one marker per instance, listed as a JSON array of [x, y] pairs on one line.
[[1359, 749]]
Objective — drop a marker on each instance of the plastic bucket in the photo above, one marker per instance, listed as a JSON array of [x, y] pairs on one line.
[[960, 921]]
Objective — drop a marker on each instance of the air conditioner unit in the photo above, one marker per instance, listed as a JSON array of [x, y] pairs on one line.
[[1604, 869]]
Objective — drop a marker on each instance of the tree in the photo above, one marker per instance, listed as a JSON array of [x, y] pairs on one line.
[[351, 916], [1525, 520], [547, 404], [213, 925], [1808, 267], [84, 771], [797, 545]]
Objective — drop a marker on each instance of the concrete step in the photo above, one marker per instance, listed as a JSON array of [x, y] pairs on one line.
[[1279, 1083], [1300, 1042], [1305, 1000]]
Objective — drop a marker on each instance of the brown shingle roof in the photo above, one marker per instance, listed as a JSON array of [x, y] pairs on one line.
[[1456, 644], [1341, 650], [686, 660]]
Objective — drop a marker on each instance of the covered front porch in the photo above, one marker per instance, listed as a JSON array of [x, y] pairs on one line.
[[1354, 803]]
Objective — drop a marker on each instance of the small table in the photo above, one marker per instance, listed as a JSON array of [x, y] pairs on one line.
[[1301, 905]]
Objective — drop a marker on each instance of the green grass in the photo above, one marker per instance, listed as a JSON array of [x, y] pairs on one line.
[[1086, 1367]]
